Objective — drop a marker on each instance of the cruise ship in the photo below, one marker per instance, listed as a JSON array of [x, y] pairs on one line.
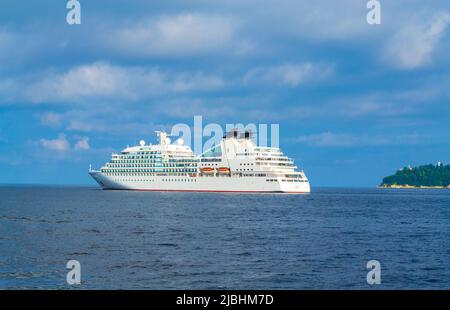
[[237, 164]]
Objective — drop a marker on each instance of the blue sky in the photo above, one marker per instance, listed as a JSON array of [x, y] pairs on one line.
[[354, 101]]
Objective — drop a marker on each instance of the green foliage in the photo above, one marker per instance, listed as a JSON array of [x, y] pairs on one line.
[[428, 175]]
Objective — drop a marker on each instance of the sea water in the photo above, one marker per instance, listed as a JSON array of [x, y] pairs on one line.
[[152, 240]]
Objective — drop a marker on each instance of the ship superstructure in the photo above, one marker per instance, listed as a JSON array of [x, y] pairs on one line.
[[237, 164]]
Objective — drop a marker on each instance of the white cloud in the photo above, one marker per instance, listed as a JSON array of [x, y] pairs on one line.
[[287, 74], [127, 122], [60, 144], [216, 107], [413, 46], [329, 139], [177, 35], [102, 80], [372, 105], [324, 19], [84, 124], [51, 119], [82, 144], [319, 19]]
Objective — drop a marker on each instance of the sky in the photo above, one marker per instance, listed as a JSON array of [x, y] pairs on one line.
[[354, 102]]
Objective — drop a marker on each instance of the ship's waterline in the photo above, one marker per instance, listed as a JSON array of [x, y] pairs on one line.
[[237, 164]]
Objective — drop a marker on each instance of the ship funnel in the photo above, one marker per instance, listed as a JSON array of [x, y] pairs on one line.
[[233, 133]]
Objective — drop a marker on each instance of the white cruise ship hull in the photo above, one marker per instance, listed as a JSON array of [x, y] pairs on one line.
[[200, 184]]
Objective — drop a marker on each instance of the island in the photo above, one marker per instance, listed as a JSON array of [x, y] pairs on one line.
[[426, 176]]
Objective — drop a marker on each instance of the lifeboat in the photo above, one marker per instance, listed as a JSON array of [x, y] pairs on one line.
[[207, 170], [224, 170]]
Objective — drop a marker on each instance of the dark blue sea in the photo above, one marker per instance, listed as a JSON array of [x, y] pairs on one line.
[[150, 240]]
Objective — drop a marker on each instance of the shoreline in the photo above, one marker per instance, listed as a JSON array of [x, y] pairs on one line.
[[413, 187]]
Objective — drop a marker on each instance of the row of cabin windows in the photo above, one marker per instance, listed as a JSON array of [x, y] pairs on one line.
[[211, 159], [293, 180], [153, 180], [270, 164], [179, 180], [273, 158], [150, 166], [146, 152], [146, 160], [158, 174], [147, 170], [137, 156], [128, 158]]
